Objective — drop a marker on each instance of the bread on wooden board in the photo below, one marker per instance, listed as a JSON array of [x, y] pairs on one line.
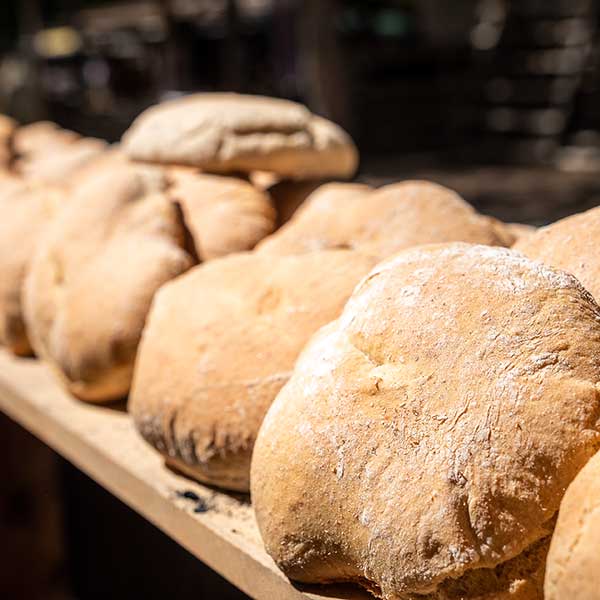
[[228, 133], [383, 221], [91, 281], [425, 439], [25, 210], [569, 244], [220, 342], [573, 566], [222, 214]]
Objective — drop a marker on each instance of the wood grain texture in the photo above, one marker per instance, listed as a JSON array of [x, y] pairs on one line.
[[102, 442]]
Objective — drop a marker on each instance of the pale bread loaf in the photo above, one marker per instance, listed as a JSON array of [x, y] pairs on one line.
[[569, 244], [425, 439], [383, 221], [93, 276], [520, 230], [25, 210], [220, 342], [228, 133], [573, 567]]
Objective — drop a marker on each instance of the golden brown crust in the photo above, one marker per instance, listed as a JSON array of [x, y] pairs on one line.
[[219, 344], [432, 429], [223, 214], [229, 133], [93, 277], [383, 221], [569, 244], [573, 568], [25, 211]]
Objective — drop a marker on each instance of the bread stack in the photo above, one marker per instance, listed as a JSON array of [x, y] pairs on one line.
[[406, 398]]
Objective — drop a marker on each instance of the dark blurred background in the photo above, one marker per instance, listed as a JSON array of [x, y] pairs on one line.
[[497, 99], [430, 88]]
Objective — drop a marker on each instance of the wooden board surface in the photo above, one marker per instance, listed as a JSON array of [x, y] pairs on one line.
[[102, 442]]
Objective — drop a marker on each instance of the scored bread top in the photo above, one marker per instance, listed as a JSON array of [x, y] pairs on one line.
[[427, 436]]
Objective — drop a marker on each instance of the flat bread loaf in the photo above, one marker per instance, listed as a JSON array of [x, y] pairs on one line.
[[93, 277], [569, 244], [228, 133], [25, 211], [219, 344], [573, 567], [383, 221], [425, 439]]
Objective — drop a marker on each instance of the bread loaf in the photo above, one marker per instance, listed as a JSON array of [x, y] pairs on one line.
[[93, 276], [573, 567], [228, 133], [425, 439], [383, 221], [223, 214], [569, 244], [25, 211], [219, 344]]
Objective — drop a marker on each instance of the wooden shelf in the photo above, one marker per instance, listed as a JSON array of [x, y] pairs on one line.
[[102, 442]]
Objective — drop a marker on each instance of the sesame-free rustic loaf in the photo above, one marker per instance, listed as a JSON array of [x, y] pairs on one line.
[[425, 439], [573, 566], [222, 214], [569, 244], [520, 230], [25, 212], [383, 221], [41, 137], [228, 133], [220, 342], [91, 281]]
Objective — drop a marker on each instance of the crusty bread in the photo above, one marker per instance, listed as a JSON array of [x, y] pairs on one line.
[[25, 211], [41, 137], [383, 221], [228, 133], [288, 196], [219, 344], [93, 276], [426, 437], [573, 567], [520, 230], [60, 163], [569, 244], [223, 214]]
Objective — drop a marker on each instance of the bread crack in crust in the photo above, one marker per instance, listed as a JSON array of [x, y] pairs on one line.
[[426, 437]]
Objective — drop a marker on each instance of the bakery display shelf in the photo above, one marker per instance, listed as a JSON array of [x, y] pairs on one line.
[[216, 527]]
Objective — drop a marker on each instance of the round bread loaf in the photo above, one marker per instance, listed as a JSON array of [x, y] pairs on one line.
[[573, 567], [425, 439], [223, 214], [93, 276], [25, 211], [383, 221], [227, 133], [219, 344], [569, 244]]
